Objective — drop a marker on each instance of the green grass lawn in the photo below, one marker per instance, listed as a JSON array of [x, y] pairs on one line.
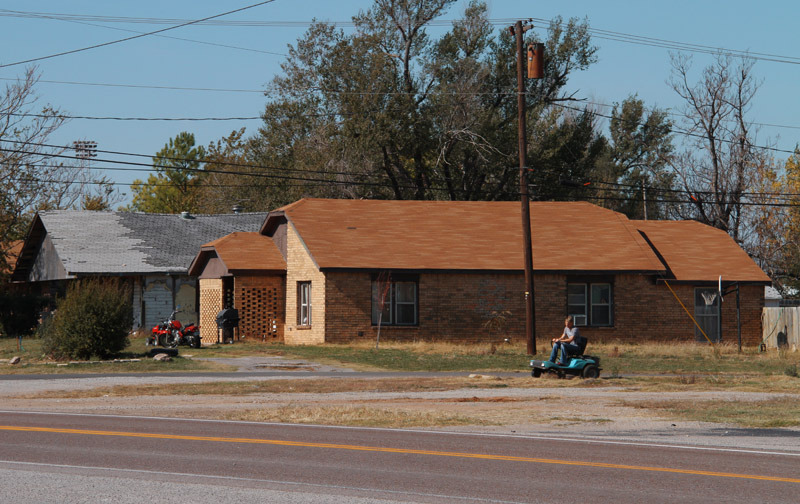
[[616, 359], [133, 360]]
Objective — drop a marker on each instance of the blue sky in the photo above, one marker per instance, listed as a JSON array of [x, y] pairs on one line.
[[768, 27]]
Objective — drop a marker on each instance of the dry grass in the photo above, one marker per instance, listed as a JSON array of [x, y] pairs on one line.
[[776, 412], [694, 383], [299, 386], [361, 416], [717, 382]]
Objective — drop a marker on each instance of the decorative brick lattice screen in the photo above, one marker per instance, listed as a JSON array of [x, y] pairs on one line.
[[260, 301], [210, 305]]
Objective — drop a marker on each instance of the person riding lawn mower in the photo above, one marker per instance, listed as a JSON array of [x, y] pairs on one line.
[[573, 361]]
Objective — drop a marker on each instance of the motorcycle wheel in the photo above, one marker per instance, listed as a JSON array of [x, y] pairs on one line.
[[195, 343], [170, 341]]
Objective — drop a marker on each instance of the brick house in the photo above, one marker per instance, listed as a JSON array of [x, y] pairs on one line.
[[247, 272], [444, 271]]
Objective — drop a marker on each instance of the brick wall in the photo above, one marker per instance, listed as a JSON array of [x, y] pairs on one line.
[[300, 267], [260, 301], [452, 307], [456, 307], [646, 309]]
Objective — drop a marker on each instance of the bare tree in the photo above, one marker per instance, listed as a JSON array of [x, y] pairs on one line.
[[383, 287], [720, 161], [34, 174]]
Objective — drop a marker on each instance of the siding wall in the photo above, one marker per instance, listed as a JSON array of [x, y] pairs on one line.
[[162, 294], [136, 291], [47, 265], [156, 299]]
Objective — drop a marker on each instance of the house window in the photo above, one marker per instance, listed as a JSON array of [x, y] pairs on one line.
[[394, 302], [590, 304], [706, 313], [304, 303]]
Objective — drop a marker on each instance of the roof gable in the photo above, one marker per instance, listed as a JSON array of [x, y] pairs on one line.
[[241, 251], [383, 234], [696, 252]]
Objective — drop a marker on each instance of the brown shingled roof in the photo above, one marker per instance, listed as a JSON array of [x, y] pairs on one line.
[[246, 251], [14, 251], [467, 235], [695, 251]]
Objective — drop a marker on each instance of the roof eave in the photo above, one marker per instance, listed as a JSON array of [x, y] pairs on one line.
[[271, 222]]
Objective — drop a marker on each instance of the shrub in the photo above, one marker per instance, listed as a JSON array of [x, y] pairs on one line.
[[19, 313], [92, 319]]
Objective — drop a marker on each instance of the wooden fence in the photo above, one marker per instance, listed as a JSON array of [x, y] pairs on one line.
[[781, 327]]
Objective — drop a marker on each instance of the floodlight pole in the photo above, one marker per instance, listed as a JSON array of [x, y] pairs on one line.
[[530, 322]]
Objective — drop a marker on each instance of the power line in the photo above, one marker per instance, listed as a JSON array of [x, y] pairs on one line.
[[227, 46], [135, 36], [166, 158], [680, 132], [249, 118], [611, 35], [681, 46], [676, 114], [318, 183], [137, 86], [112, 118], [589, 185], [151, 167]]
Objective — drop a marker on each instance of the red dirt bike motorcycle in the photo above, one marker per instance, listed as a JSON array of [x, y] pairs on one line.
[[171, 333]]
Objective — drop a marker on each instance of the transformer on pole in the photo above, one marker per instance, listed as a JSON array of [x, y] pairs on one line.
[[535, 67]]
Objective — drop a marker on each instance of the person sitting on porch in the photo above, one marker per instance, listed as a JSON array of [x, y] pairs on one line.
[[570, 343]]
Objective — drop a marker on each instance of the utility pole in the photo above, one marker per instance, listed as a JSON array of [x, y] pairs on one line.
[[644, 199], [534, 67]]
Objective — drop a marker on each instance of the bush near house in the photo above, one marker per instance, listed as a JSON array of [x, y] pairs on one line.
[[91, 320], [19, 313]]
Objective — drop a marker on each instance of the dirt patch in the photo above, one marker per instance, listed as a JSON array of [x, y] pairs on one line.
[[486, 399]]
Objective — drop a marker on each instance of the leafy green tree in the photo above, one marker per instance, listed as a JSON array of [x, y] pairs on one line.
[[176, 185], [231, 177], [390, 112], [637, 159]]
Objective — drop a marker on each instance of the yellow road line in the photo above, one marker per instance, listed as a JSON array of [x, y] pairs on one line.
[[278, 442]]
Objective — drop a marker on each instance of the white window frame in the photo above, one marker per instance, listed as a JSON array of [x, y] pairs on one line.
[[396, 302], [584, 318], [609, 304], [580, 319], [304, 304], [392, 303]]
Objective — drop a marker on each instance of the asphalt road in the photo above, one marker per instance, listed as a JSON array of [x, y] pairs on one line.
[[90, 458]]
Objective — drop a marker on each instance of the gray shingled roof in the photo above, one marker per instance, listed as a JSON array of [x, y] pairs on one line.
[[126, 242]]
